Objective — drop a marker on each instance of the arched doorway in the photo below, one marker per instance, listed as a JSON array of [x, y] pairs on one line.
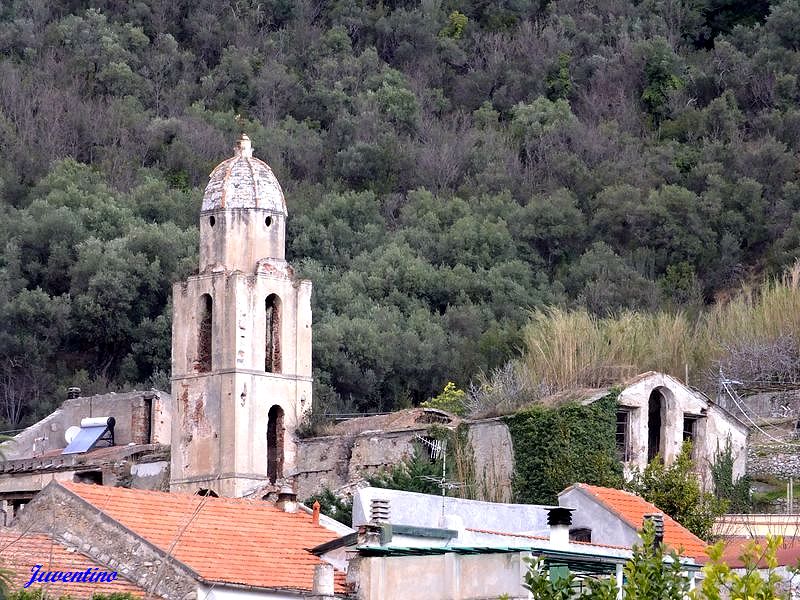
[[655, 406], [275, 444]]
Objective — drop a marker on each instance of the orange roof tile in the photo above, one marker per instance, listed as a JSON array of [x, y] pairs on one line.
[[787, 554], [632, 509], [226, 540], [19, 552]]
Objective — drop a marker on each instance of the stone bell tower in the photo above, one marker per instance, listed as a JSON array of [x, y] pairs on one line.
[[241, 339]]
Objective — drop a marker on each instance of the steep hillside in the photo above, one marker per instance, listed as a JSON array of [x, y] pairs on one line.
[[448, 166]]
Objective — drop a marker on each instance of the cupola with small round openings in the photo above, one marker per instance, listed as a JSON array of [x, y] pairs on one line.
[[243, 217]]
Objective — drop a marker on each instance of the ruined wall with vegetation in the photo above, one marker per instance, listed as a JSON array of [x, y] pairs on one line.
[[556, 447]]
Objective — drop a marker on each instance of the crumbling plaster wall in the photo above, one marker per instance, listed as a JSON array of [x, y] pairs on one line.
[[336, 462], [128, 409]]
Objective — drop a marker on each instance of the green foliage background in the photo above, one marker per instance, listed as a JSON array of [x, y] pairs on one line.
[[447, 166], [556, 447]]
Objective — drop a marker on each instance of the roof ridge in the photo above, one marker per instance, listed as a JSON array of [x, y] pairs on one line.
[[608, 504]]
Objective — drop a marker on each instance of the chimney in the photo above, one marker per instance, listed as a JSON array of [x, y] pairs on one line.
[[379, 510], [315, 515], [322, 585], [559, 519], [658, 523], [287, 499], [73, 392]]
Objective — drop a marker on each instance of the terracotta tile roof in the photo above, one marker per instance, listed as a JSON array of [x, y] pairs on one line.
[[632, 509], [19, 552], [787, 554], [226, 540]]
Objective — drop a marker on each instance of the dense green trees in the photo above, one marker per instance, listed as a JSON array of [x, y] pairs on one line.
[[447, 167]]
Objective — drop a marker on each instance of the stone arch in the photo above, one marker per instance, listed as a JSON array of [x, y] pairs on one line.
[[275, 443], [657, 410], [205, 333], [272, 311]]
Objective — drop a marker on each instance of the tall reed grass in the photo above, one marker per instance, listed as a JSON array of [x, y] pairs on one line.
[[574, 349]]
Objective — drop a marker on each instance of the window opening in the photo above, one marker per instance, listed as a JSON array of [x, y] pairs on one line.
[[689, 428], [275, 444], [654, 405], [272, 362], [204, 334], [623, 435]]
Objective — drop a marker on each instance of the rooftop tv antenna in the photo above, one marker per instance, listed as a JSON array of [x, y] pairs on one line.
[[438, 449]]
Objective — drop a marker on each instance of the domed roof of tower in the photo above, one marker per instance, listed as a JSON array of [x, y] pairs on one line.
[[243, 182]]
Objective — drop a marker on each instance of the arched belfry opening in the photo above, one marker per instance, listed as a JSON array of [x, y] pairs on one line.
[[205, 326], [275, 444], [272, 361], [655, 406]]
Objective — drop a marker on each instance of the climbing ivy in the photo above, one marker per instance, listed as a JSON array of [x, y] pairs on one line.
[[555, 447]]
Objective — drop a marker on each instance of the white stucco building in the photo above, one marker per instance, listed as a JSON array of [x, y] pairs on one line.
[[657, 413]]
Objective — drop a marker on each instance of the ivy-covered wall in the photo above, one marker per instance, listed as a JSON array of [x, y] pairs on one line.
[[556, 447]]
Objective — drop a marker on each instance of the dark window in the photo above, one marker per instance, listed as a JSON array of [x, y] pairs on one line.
[[580, 534], [206, 492], [275, 444], [95, 477], [272, 362], [689, 428], [623, 435], [204, 335], [18, 505], [148, 420]]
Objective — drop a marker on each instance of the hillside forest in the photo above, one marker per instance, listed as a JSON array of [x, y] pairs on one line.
[[449, 166]]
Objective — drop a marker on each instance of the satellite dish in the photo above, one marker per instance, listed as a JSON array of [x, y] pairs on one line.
[[71, 433]]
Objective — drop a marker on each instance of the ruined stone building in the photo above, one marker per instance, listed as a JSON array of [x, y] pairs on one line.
[[136, 454], [657, 413]]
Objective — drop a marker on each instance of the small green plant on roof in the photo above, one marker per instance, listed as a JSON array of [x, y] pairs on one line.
[[451, 400], [676, 490], [652, 573]]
